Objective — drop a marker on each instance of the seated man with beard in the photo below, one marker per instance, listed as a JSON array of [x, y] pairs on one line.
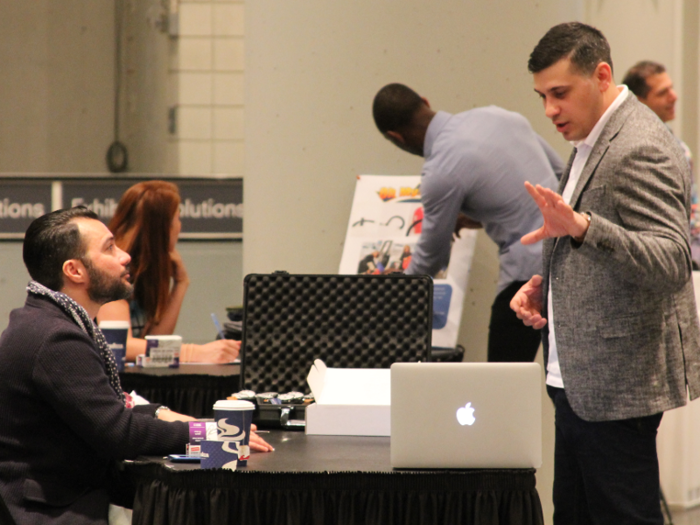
[[64, 419]]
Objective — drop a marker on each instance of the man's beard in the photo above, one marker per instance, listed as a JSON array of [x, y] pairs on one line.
[[105, 289]]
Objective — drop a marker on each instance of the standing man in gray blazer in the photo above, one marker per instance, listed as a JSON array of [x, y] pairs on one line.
[[615, 302]]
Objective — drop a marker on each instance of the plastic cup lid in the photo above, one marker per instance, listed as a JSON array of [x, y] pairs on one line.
[[115, 324], [233, 404]]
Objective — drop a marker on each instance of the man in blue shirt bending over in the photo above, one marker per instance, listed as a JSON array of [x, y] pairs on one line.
[[476, 164]]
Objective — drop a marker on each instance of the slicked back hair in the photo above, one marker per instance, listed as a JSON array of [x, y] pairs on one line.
[[394, 107], [51, 240], [584, 45], [636, 77]]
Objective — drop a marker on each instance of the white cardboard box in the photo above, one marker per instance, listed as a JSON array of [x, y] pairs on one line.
[[349, 401]]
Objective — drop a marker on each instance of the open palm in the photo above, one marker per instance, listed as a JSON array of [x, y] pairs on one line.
[[559, 218]]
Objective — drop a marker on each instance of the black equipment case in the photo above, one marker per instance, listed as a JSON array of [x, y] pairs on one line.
[[348, 321]]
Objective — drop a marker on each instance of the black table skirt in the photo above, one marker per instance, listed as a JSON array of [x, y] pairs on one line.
[[191, 394], [484, 497]]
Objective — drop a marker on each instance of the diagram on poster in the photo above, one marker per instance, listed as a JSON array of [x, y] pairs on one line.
[[384, 227]]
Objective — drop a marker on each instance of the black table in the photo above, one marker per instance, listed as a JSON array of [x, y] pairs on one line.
[[189, 389], [337, 480]]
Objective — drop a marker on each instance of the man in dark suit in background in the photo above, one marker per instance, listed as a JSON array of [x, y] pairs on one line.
[[615, 300]]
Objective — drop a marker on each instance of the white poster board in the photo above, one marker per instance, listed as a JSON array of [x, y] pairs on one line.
[[384, 227]]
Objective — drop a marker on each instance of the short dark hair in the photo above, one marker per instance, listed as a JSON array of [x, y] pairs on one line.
[[636, 77], [51, 240], [584, 45], [394, 107]]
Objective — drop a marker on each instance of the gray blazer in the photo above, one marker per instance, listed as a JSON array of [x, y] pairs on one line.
[[625, 319]]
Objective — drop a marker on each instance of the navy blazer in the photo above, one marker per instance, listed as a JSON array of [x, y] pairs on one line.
[[61, 424]]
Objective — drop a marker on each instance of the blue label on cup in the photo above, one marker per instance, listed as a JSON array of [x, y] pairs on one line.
[[116, 340]]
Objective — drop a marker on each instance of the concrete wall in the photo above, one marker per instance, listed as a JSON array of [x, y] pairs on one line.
[[144, 54], [206, 88], [56, 87]]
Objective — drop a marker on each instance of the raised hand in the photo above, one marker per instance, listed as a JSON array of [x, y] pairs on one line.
[[559, 218]]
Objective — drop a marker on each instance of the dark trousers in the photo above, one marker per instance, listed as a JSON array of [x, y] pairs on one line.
[[605, 472], [509, 339]]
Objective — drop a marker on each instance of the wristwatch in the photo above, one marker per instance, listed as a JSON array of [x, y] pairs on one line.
[[161, 407], [586, 216]]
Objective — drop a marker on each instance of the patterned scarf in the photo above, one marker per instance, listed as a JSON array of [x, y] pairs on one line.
[[81, 318]]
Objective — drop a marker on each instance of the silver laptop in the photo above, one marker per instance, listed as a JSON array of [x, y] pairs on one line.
[[466, 415]]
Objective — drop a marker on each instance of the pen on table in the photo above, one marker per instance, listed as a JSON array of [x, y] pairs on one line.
[[218, 326]]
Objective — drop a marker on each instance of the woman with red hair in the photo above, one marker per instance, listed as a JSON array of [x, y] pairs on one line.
[[146, 225]]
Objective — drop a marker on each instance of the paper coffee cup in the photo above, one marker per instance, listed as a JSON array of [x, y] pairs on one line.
[[164, 350], [233, 419], [219, 454], [116, 333]]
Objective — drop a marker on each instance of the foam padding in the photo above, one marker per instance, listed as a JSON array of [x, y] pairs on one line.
[[348, 321]]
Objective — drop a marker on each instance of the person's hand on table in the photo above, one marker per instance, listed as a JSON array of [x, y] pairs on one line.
[[220, 351], [257, 443], [527, 303]]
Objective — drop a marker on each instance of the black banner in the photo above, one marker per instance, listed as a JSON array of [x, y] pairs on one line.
[[210, 209], [20, 203]]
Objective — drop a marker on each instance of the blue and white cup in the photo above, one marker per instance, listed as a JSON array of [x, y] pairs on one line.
[[115, 333], [233, 419], [219, 454]]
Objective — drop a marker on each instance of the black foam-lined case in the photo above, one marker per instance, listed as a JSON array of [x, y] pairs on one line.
[[348, 321]]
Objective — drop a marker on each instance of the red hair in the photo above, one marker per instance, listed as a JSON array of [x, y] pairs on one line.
[[141, 227]]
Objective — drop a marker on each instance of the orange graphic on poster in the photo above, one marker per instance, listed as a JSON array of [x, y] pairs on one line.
[[409, 192], [386, 194]]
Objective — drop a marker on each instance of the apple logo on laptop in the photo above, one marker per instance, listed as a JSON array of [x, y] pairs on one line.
[[465, 415]]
